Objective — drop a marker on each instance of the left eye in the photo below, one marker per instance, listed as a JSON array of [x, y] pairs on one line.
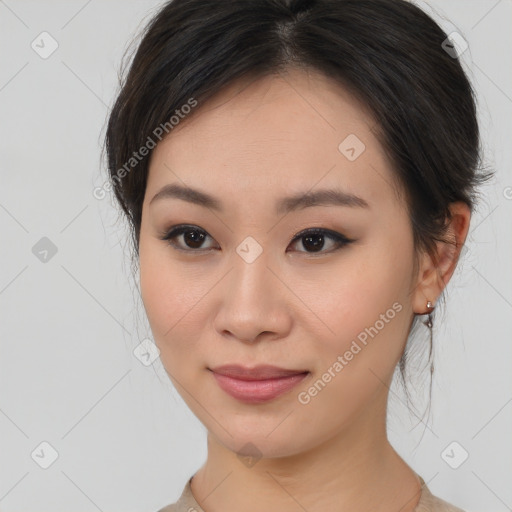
[[314, 239]]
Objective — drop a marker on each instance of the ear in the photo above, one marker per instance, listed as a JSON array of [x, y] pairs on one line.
[[433, 276]]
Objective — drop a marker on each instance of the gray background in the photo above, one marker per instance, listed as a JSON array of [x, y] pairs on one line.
[[69, 325]]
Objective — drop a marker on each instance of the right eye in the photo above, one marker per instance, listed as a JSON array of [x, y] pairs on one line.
[[192, 238]]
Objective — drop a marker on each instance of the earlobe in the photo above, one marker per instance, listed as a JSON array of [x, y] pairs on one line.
[[435, 273]]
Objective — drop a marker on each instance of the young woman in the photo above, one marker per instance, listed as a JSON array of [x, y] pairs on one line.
[[299, 177]]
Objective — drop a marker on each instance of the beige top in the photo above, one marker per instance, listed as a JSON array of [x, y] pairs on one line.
[[427, 503]]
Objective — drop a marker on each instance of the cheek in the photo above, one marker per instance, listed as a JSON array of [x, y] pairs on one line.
[[364, 309], [154, 285], [169, 296]]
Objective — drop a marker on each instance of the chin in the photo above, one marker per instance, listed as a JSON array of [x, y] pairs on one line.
[[255, 442]]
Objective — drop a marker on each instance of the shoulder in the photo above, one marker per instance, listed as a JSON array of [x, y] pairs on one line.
[[185, 503], [169, 508], [179, 506], [430, 503]]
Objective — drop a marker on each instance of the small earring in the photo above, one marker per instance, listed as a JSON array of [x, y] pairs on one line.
[[429, 324], [430, 307]]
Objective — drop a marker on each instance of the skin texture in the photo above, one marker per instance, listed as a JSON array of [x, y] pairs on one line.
[[291, 307]]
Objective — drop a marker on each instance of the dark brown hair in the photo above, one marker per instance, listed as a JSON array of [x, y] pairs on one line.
[[388, 53]]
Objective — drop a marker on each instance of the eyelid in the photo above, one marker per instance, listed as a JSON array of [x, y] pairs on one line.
[[177, 230], [340, 239]]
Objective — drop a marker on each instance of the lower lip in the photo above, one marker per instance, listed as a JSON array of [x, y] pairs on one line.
[[257, 391]]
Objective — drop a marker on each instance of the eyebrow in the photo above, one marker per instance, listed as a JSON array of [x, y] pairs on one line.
[[322, 197]]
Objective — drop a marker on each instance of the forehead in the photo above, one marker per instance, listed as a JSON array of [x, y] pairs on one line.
[[281, 132]]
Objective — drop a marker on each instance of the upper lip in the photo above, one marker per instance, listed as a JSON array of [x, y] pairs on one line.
[[261, 372]]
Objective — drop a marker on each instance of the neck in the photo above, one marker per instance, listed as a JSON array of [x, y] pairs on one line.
[[357, 469]]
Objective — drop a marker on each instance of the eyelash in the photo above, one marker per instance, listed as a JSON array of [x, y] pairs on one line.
[[341, 240]]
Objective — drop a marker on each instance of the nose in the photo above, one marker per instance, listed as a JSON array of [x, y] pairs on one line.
[[253, 302]]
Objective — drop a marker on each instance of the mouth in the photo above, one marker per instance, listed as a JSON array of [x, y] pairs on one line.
[[256, 385]]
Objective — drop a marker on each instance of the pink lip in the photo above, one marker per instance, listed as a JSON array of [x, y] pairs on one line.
[[256, 385]]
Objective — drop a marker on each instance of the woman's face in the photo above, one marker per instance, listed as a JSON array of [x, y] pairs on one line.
[[240, 288]]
